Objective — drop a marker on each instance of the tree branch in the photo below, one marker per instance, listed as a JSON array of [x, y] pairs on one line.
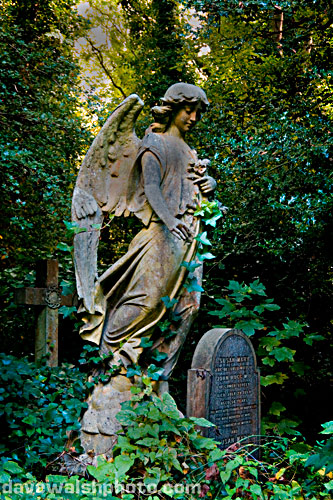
[[100, 59]]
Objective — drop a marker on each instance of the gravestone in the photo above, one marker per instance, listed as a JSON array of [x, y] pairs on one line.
[[224, 386], [48, 297]]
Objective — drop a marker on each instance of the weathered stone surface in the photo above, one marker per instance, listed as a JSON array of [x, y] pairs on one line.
[[223, 386], [161, 181]]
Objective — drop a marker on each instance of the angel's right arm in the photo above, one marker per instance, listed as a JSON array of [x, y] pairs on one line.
[[152, 182]]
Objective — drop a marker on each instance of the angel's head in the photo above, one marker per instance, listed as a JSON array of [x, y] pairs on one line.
[[180, 99]]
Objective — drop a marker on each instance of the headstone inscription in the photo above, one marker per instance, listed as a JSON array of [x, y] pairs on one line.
[[224, 386], [47, 295]]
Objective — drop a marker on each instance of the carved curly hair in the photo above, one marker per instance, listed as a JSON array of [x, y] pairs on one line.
[[176, 97]]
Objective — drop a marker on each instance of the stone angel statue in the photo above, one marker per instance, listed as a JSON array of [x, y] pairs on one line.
[[161, 181]]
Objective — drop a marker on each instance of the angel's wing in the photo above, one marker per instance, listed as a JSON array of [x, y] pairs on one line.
[[101, 188]]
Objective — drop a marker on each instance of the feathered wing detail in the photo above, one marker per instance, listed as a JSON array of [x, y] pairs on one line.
[[101, 188]]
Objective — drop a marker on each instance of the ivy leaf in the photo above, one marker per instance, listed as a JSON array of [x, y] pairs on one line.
[[268, 361], [126, 417], [158, 356], [146, 342], [67, 311], [212, 221], [249, 326], [168, 490], [12, 467], [256, 490], [201, 443], [312, 337], [67, 287], [205, 256], [276, 408], [192, 285], [272, 307], [74, 228], [154, 372], [133, 370], [202, 238], [190, 266], [328, 428], [167, 426], [169, 406], [64, 247], [4, 477], [258, 288], [169, 303], [149, 442], [202, 422], [122, 463], [299, 367], [164, 325], [277, 378], [283, 354], [124, 444]]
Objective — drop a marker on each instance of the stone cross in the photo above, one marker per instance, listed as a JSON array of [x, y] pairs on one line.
[[223, 387], [47, 295]]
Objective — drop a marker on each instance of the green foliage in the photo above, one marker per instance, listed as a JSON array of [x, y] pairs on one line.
[[42, 135], [269, 135], [323, 458], [38, 405], [155, 445], [157, 451], [246, 307]]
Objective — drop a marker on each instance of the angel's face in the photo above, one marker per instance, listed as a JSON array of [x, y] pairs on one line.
[[186, 117]]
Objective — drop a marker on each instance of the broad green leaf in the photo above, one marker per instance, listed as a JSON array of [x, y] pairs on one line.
[[201, 443], [277, 378], [133, 370], [158, 356], [169, 406], [67, 311], [202, 422], [283, 353], [328, 428], [122, 464], [4, 477], [169, 303], [205, 256], [64, 247], [12, 467], [249, 327], [190, 266], [276, 408], [149, 442], [146, 342], [167, 426], [125, 417], [311, 338], [202, 238], [257, 491], [155, 372], [192, 285]]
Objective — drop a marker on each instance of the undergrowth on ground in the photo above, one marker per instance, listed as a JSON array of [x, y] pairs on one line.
[[159, 455]]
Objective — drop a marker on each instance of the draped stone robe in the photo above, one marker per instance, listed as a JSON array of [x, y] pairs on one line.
[[129, 295]]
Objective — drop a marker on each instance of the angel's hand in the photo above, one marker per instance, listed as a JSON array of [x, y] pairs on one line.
[[179, 229], [206, 184], [84, 203]]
